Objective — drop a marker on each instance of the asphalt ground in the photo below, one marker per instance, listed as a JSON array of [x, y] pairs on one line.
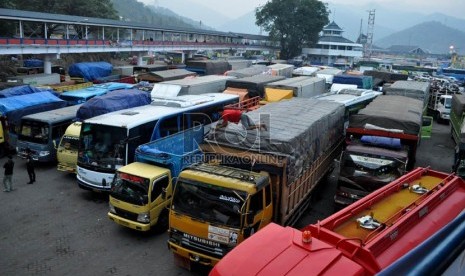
[[53, 227]]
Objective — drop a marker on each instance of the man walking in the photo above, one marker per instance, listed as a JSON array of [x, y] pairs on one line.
[[30, 166], [7, 182]]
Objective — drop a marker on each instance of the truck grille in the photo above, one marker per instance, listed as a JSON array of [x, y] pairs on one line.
[[125, 214], [203, 246]]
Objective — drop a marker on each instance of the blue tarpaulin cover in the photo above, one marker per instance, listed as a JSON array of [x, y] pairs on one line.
[[110, 86], [33, 63], [18, 90], [16, 107], [386, 142], [116, 100], [90, 70], [82, 95]]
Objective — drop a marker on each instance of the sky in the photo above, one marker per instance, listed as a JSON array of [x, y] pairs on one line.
[[236, 8]]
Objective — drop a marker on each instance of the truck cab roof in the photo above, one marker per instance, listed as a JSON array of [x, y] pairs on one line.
[[289, 256], [248, 181], [143, 170]]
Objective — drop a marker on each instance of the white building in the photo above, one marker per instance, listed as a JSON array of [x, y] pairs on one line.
[[333, 49]]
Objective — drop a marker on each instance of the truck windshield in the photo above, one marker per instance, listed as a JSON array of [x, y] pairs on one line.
[[448, 103], [70, 142], [371, 172], [130, 188], [34, 131], [102, 146], [207, 202]]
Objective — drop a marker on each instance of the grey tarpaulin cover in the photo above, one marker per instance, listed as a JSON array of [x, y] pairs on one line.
[[458, 104], [300, 128], [391, 112], [249, 71], [255, 85], [413, 89], [458, 107]]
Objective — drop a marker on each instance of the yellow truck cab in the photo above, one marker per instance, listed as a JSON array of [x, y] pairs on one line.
[[141, 191], [139, 196], [3, 135], [67, 151], [216, 208]]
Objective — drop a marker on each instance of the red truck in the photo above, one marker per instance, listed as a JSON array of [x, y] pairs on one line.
[[362, 239]]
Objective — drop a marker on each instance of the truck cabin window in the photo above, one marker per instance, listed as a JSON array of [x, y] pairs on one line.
[[218, 205], [130, 188], [33, 131]]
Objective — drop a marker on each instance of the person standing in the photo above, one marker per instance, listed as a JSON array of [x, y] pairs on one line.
[[30, 167], [8, 175]]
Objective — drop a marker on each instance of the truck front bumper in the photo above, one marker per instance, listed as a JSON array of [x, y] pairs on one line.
[[191, 256], [129, 223]]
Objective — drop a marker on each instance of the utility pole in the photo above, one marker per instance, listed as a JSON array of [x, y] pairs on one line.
[[370, 30]]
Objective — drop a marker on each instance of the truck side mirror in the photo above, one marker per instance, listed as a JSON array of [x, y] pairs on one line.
[[145, 199], [163, 193], [249, 217]]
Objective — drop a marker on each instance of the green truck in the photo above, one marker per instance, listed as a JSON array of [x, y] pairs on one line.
[[458, 132]]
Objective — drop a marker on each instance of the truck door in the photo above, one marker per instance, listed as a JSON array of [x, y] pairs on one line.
[[257, 213], [157, 203], [427, 127]]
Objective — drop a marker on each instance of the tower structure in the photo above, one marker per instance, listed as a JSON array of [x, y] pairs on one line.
[[370, 31]]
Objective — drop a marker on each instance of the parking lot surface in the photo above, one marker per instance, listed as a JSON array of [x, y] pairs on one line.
[[53, 227]]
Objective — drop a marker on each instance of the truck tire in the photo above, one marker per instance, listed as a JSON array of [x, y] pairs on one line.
[[163, 222]]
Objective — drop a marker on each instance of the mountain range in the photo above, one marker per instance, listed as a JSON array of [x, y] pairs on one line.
[[433, 32]]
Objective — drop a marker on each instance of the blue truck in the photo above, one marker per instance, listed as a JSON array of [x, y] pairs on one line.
[[142, 191]]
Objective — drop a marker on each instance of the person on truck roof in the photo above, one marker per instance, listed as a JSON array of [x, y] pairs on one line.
[[236, 116]]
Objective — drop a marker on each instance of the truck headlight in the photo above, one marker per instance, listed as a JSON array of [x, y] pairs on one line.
[[44, 153], [143, 217], [112, 208]]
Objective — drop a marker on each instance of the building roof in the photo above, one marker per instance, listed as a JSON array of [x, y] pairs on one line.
[[332, 26], [336, 39]]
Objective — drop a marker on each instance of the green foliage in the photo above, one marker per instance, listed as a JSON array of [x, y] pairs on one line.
[[293, 23], [135, 11], [90, 8]]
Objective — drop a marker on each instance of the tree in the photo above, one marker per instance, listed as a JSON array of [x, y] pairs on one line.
[[292, 23], [88, 8]]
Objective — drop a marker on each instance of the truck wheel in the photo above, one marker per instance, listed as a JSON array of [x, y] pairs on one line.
[[163, 222]]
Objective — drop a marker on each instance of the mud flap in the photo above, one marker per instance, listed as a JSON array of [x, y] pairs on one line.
[[182, 262]]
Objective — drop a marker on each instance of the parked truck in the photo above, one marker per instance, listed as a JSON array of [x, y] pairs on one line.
[[192, 86], [13, 108], [362, 82], [141, 191], [255, 85], [304, 87], [458, 132], [368, 237], [413, 89], [251, 178], [67, 150], [382, 141]]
